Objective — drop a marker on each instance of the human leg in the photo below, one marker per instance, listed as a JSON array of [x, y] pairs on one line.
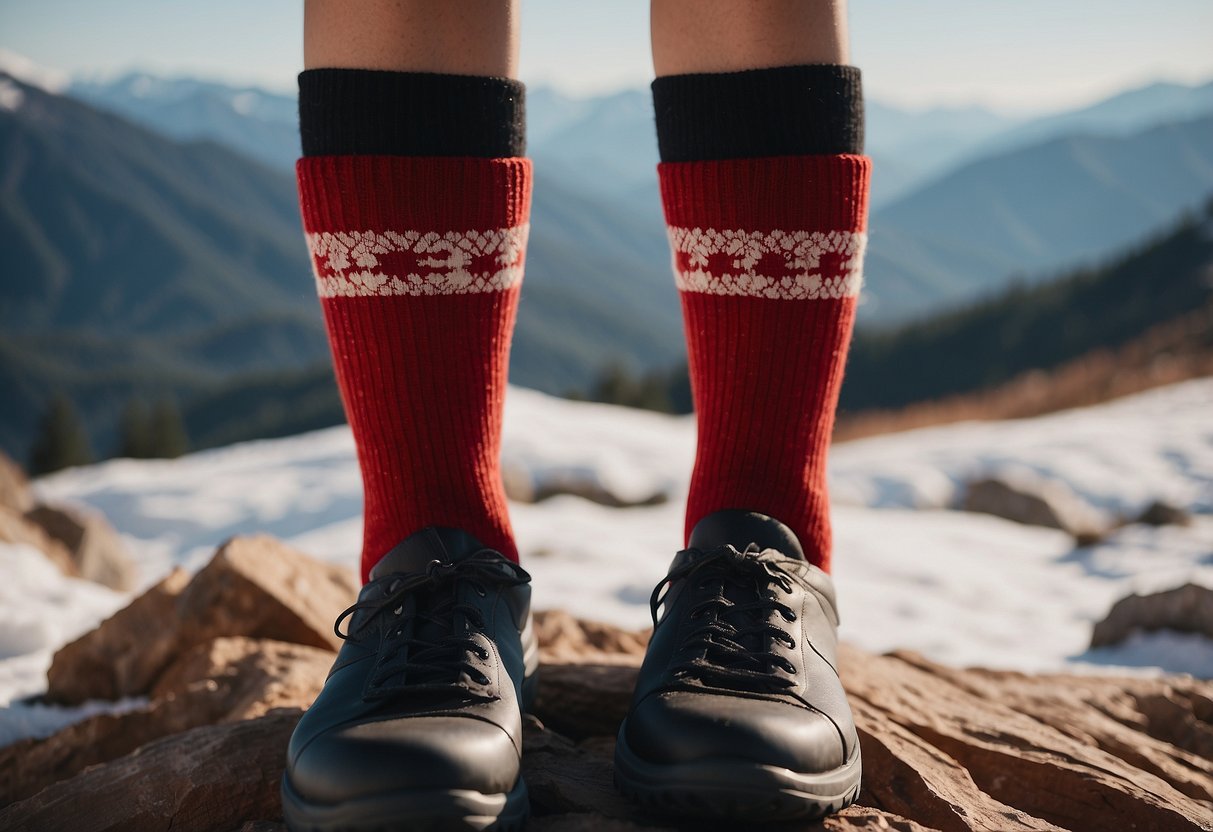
[[760, 128], [415, 198], [738, 710]]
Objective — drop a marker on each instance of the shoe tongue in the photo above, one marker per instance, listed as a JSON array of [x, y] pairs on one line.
[[740, 529], [432, 543]]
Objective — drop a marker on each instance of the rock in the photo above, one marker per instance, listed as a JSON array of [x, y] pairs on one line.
[[97, 551], [15, 493], [261, 588], [1035, 501], [583, 700], [225, 680], [1185, 609], [564, 778], [248, 677], [253, 586], [214, 777], [523, 485], [927, 723], [563, 639], [125, 653], [14, 528], [863, 819], [1159, 513], [944, 749]]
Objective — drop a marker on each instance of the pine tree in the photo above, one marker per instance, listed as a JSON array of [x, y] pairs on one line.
[[135, 431], [168, 438], [62, 441], [615, 385]]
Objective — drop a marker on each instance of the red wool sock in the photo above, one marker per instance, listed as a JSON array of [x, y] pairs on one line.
[[418, 264], [767, 255]]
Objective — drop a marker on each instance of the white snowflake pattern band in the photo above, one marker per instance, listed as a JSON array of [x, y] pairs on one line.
[[731, 262], [349, 263]]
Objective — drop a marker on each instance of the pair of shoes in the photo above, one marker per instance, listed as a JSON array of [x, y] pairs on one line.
[[738, 712]]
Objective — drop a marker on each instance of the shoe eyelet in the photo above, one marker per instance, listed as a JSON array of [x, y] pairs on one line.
[[399, 610]]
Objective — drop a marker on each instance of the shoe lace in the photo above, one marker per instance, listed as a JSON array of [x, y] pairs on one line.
[[733, 645], [437, 651]]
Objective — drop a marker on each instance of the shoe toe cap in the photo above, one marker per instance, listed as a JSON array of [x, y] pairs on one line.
[[397, 755], [684, 727]]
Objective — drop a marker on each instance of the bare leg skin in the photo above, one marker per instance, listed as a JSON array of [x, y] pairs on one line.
[[459, 37], [692, 36]]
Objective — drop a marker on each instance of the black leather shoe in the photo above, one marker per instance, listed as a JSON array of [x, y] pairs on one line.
[[419, 725], [738, 712]]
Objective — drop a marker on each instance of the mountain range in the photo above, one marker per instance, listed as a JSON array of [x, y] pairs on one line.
[[154, 237], [964, 199], [607, 140], [1039, 327], [140, 263], [1031, 213]]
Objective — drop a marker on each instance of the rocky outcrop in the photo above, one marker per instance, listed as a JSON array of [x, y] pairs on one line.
[[123, 656], [1185, 609], [524, 484], [81, 544], [1035, 501], [15, 493], [224, 680], [944, 749], [97, 552], [14, 528], [1161, 513], [206, 778], [254, 587]]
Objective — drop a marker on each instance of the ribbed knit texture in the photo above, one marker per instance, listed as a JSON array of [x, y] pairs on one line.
[[378, 112], [418, 263], [779, 111], [767, 253]]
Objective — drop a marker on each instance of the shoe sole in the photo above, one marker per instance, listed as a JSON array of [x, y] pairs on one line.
[[738, 790], [436, 810]]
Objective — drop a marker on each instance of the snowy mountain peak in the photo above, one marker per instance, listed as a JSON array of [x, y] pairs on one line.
[[23, 69]]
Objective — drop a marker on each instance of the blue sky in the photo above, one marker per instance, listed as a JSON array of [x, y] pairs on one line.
[[1028, 55]]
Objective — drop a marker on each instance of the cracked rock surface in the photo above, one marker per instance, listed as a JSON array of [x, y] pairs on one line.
[[241, 648]]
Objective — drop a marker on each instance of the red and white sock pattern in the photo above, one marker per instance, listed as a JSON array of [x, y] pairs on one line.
[[768, 258], [418, 264]]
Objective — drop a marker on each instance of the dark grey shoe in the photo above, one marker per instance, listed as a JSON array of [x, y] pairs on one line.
[[738, 712], [419, 724]]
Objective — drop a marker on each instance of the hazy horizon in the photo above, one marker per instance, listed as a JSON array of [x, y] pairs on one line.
[[1030, 58], [55, 78]]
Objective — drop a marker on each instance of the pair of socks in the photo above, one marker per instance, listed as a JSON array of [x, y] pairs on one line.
[[415, 192]]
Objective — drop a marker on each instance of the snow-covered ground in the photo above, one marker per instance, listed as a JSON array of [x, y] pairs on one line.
[[912, 572]]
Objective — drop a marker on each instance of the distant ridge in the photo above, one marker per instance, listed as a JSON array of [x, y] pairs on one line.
[[1162, 289], [1030, 213], [141, 265]]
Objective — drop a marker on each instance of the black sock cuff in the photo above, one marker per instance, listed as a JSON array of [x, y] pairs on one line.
[[781, 111], [366, 112]]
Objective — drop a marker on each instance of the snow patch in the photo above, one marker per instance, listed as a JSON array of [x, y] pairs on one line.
[[245, 102], [11, 95], [25, 70], [964, 589]]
